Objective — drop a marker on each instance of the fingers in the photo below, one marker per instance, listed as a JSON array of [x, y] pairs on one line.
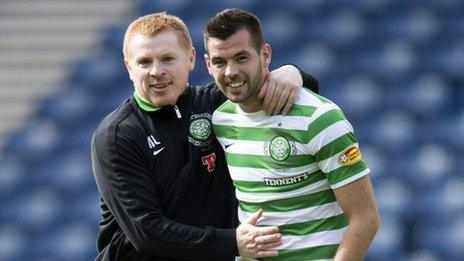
[[263, 247], [275, 98], [282, 101], [260, 246], [289, 102], [268, 239], [263, 89], [263, 231], [254, 217], [267, 253], [271, 86]]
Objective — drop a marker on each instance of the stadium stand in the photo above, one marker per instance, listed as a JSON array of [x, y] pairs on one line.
[[395, 67]]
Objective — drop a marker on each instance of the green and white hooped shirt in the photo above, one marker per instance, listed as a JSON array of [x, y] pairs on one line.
[[288, 166]]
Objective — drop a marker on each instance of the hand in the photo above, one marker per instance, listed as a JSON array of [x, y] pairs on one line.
[[255, 241], [280, 89]]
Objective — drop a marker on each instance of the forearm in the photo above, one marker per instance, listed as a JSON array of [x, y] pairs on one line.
[[357, 238], [309, 81]]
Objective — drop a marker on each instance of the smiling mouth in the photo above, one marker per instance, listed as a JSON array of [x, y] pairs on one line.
[[160, 86], [235, 84]]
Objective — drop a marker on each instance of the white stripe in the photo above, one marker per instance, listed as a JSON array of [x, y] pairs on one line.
[[255, 174], [294, 216], [254, 147], [351, 179], [266, 196], [260, 121], [307, 98], [331, 163], [328, 135], [329, 237]]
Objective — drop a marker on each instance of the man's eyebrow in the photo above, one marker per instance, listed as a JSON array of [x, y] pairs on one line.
[[243, 52]]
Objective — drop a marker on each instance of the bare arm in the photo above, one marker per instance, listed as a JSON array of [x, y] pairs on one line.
[[358, 202]]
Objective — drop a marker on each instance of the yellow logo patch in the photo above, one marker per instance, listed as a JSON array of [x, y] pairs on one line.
[[350, 156]]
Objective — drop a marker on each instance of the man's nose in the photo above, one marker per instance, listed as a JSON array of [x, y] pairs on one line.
[[157, 70], [231, 70]]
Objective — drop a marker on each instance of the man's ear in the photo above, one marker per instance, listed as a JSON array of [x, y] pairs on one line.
[[192, 59], [128, 68], [208, 63], [266, 53]]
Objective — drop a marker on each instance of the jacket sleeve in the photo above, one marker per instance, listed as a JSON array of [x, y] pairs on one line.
[[127, 187]]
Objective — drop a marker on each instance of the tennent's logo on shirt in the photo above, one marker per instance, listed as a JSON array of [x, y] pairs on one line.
[[350, 156], [286, 181]]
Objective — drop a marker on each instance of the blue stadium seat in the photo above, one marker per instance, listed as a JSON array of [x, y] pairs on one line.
[[393, 196], [12, 175], [423, 255], [317, 59], [39, 209], [34, 142], [360, 97], [13, 242], [394, 131], [74, 241], [377, 160], [389, 241]]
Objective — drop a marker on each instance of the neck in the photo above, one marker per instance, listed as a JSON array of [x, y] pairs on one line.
[[252, 105]]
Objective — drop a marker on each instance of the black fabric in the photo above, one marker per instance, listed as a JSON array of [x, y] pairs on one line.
[[163, 205]]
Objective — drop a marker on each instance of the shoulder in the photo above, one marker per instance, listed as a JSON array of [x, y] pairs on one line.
[[120, 123], [313, 105], [208, 95], [225, 109]]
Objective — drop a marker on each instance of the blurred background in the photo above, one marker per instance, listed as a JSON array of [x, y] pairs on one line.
[[395, 67]]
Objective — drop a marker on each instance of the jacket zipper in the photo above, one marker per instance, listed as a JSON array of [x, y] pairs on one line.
[[177, 112]]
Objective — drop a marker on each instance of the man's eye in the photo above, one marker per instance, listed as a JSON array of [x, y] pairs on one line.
[[241, 59], [144, 62], [219, 63], [167, 59]]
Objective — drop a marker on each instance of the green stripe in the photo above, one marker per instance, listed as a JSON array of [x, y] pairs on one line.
[[260, 186], [266, 162], [304, 228], [228, 107], [336, 146], [311, 253], [145, 105], [302, 110], [345, 172], [325, 120], [258, 134], [289, 204]]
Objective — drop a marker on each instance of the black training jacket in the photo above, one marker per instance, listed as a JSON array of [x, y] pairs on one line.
[[163, 180]]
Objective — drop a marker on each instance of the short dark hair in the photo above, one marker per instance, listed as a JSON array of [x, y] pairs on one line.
[[228, 22]]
